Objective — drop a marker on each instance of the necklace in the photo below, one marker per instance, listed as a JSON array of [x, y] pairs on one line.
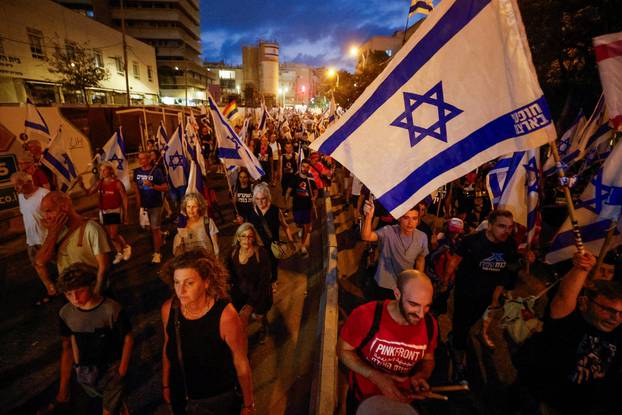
[[196, 314]]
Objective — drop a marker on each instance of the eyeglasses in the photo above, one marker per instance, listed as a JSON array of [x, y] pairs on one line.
[[246, 236], [609, 310]]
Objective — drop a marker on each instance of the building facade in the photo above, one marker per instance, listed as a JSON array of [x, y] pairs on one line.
[[298, 83], [31, 32], [172, 28], [260, 65]]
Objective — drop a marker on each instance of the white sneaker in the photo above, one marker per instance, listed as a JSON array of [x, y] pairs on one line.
[[117, 258], [127, 252], [156, 258]]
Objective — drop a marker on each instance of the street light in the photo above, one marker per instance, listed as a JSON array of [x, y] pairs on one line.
[[332, 73], [355, 52]]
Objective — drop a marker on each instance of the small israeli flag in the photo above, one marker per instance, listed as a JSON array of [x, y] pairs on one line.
[[231, 150], [114, 151], [175, 161], [56, 158], [440, 109]]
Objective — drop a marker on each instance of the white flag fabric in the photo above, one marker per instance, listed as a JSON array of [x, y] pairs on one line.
[[35, 125], [570, 147], [56, 158], [114, 151], [175, 160], [194, 144], [597, 207], [608, 51], [231, 150], [461, 91], [513, 184], [194, 179]]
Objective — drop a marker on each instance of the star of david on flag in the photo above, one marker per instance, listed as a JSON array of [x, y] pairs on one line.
[[600, 204], [114, 151], [440, 109], [570, 145], [174, 160], [438, 130]]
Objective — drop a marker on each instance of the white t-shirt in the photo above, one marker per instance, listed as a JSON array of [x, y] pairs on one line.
[[29, 207]]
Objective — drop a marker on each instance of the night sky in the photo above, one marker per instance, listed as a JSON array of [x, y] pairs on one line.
[[316, 32]]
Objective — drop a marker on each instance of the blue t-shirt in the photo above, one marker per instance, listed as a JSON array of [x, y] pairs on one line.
[[149, 197]]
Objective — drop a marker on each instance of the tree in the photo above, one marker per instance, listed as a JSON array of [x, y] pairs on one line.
[[76, 66], [560, 36]]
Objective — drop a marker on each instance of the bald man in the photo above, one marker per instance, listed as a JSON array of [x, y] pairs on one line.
[[389, 346], [71, 238]]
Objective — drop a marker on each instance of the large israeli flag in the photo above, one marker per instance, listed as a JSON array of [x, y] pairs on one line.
[[56, 158], [175, 161], [114, 152], [597, 135], [460, 92], [599, 206], [513, 184], [231, 150]]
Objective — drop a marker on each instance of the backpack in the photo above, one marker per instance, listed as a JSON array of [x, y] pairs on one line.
[[375, 326]]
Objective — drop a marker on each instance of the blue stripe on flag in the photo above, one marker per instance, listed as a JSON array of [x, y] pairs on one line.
[[478, 141], [592, 232], [601, 130], [454, 20], [228, 153], [58, 166]]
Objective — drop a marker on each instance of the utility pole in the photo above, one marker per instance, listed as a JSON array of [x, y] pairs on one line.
[[127, 79]]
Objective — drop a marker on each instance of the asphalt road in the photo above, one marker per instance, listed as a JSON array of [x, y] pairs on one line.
[[30, 346]]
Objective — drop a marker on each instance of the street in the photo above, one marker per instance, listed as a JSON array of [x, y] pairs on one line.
[[30, 349]]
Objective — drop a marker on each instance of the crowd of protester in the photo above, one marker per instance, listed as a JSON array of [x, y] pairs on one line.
[[452, 254]]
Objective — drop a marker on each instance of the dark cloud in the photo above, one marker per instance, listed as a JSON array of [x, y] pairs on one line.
[[313, 32]]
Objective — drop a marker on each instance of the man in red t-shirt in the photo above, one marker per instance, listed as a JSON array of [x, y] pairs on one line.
[[397, 358]]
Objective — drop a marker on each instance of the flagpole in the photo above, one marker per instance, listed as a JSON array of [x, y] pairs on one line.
[[406, 27], [571, 210]]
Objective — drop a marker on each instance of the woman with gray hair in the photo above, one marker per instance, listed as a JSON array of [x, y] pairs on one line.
[[249, 267], [268, 220], [196, 229], [113, 205]]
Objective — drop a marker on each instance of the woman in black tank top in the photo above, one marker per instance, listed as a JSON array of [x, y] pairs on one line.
[[204, 362]]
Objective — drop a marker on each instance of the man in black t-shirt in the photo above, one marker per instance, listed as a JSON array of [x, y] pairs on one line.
[[573, 366], [485, 263], [304, 191], [289, 166]]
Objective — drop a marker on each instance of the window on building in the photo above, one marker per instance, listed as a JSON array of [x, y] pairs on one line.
[[224, 74], [136, 70], [119, 64], [35, 38], [70, 49], [149, 73], [98, 57]]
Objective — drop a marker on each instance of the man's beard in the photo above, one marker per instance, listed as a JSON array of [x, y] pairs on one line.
[[410, 318]]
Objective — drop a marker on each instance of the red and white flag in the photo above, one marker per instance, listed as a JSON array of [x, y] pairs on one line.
[[608, 51]]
